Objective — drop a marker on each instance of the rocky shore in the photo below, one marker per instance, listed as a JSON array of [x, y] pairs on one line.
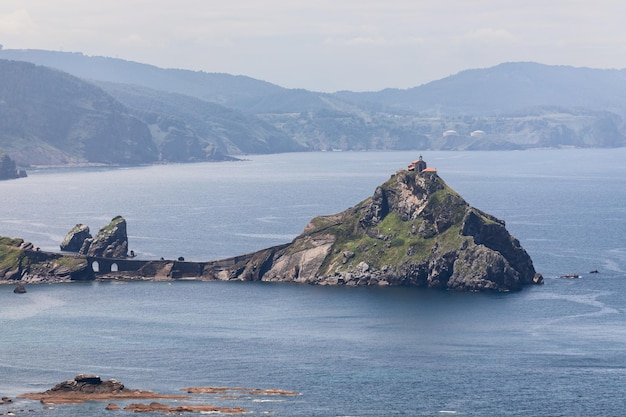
[[87, 387]]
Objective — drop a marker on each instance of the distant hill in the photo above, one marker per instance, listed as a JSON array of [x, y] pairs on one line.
[[170, 115], [509, 106], [235, 91], [50, 117], [510, 88]]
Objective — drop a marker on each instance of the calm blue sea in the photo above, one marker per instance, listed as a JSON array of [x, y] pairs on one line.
[[554, 350]]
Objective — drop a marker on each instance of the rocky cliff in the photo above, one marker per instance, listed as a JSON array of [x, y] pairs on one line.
[[75, 238], [414, 230]]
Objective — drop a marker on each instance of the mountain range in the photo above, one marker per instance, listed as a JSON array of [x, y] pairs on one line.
[[61, 107]]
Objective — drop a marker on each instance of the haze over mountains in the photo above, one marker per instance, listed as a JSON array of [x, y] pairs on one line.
[[72, 108]]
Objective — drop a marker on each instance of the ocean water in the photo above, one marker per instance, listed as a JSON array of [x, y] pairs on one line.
[[552, 350]]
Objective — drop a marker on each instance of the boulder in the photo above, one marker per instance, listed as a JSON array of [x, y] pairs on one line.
[[75, 238], [19, 289], [110, 242]]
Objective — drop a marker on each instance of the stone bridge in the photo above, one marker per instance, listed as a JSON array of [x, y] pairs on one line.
[[105, 265], [174, 269]]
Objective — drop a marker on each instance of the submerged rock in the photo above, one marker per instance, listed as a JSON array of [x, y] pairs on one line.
[[20, 289], [155, 407]]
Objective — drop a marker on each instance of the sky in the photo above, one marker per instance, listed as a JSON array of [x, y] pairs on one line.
[[325, 45]]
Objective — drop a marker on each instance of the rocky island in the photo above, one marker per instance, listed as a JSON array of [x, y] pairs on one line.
[[413, 231]]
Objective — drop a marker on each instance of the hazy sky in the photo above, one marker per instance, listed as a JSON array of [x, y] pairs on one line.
[[326, 45]]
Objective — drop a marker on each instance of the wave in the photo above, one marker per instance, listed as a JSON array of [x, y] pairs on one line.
[[285, 237], [36, 304], [615, 260]]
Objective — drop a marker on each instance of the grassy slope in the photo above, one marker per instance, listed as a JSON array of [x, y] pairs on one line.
[[393, 241]]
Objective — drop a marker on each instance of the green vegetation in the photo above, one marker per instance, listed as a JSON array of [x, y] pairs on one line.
[[396, 244], [14, 258], [112, 225], [9, 241], [71, 262], [394, 241], [10, 254]]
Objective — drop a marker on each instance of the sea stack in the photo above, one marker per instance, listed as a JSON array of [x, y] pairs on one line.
[[110, 242]]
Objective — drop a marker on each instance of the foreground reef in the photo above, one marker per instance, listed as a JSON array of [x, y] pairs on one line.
[[89, 387], [414, 231]]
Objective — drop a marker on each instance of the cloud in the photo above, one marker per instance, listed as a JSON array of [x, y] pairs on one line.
[[325, 44], [490, 35], [135, 40], [374, 40], [17, 22], [366, 40]]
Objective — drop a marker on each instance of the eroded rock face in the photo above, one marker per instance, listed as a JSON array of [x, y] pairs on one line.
[[75, 238], [110, 242]]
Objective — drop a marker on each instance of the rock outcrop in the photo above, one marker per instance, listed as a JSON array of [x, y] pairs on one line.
[[155, 407], [414, 230], [86, 387], [75, 238], [21, 262], [8, 168], [110, 242]]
